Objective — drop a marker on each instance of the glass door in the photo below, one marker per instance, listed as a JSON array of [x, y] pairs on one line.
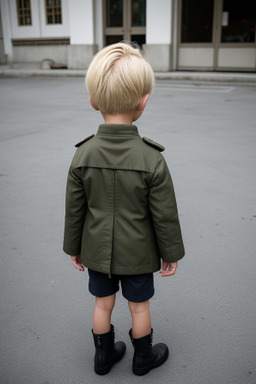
[[235, 43], [196, 34], [125, 20], [216, 35], [197, 21]]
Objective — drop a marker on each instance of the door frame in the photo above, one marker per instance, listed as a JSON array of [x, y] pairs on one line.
[[127, 30]]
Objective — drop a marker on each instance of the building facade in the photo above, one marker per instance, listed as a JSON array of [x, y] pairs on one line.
[[211, 35]]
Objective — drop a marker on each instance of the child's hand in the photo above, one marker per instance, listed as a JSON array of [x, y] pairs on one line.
[[168, 269], [75, 262]]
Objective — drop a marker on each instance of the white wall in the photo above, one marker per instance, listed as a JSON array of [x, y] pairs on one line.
[[57, 30], [159, 13], [39, 28], [81, 22], [28, 31]]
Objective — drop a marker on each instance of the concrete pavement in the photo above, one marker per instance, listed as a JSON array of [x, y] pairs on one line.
[[206, 312]]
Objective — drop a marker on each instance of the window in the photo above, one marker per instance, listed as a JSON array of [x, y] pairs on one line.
[[197, 21], [138, 13], [53, 11], [238, 21], [114, 13], [24, 12]]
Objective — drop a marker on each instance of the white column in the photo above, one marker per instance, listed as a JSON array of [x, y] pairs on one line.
[[6, 25], [159, 21], [158, 34], [81, 26], [81, 22], [174, 33]]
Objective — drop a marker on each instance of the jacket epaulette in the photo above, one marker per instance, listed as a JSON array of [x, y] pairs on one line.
[[153, 144], [83, 141]]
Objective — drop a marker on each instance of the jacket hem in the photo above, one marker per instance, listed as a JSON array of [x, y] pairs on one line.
[[141, 270]]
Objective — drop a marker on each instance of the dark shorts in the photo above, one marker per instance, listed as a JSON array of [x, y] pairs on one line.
[[135, 288]]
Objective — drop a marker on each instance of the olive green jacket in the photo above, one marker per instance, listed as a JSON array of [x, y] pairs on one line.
[[121, 212]]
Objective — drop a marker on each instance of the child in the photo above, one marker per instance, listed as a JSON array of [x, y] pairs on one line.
[[121, 213]]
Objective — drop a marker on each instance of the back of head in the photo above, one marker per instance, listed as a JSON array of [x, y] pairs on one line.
[[118, 77]]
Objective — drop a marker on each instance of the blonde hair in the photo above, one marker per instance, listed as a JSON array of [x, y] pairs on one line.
[[118, 77]]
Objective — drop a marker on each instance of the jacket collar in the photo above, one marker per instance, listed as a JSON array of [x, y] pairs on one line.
[[118, 129]]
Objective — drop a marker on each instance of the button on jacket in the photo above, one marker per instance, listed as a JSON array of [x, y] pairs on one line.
[[121, 212]]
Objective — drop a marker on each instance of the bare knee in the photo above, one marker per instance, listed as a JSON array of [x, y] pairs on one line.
[[105, 304], [138, 308]]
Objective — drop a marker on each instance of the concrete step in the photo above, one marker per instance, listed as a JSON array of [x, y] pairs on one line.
[[44, 69]]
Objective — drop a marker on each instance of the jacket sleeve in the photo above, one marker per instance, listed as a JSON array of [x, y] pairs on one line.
[[76, 206], [164, 213]]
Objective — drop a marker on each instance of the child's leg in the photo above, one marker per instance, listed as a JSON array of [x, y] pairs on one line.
[[107, 352], [141, 321], [146, 356], [102, 314]]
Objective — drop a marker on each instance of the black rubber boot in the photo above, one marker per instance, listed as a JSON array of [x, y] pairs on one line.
[[107, 351], [146, 356]]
